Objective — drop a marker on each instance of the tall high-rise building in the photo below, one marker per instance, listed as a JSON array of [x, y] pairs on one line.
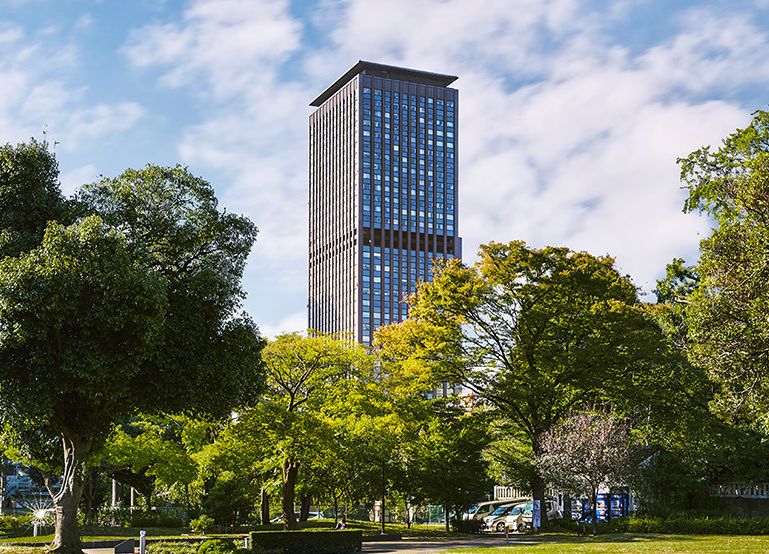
[[383, 194]]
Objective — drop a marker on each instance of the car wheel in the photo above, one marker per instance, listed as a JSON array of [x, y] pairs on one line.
[[521, 528], [500, 527]]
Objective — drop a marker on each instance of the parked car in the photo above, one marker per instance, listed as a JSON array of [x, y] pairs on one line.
[[521, 516], [514, 520], [495, 521], [482, 509]]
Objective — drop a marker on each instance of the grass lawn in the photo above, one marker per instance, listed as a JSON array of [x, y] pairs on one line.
[[101, 533], [634, 544]]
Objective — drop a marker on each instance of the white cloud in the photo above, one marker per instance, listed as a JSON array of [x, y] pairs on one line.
[[254, 129], [233, 44], [584, 153], [74, 178], [288, 324], [37, 94], [567, 136]]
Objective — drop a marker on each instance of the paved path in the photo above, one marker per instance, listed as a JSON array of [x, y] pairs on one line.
[[423, 546], [415, 546]]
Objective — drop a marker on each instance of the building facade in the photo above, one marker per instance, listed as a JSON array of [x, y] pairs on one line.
[[383, 194]]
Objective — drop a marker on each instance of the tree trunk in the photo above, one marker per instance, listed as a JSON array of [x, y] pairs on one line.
[[384, 493], [65, 502], [594, 501], [304, 508], [336, 508], [265, 506], [408, 514], [446, 515], [538, 492], [290, 472], [566, 506], [90, 492]]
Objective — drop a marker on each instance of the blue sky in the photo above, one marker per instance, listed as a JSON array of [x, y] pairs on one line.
[[572, 113]]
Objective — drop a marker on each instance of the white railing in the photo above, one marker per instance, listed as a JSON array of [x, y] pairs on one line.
[[509, 493], [740, 490]]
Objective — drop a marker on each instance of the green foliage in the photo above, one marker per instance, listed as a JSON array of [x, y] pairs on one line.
[[534, 333], [29, 196], [78, 317], [98, 320], [302, 374], [307, 542], [147, 518], [681, 523], [217, 546], [446, 454], [726, 316], [202, 524], [152, 446], [169, 547], [230, 501], [13, 526], [172, 221], [694, 525]]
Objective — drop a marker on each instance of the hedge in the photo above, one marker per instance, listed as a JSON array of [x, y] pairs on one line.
[[307, 542], [472, 526], [676, 524]]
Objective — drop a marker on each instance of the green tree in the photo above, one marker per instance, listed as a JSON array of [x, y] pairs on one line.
[[374, 432], [29, 196], [728, 330], [448, 452], [150, 452], [134, 309], [300, 373], [532, 332]]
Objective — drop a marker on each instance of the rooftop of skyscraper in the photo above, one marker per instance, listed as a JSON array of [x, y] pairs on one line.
[[388, 72]]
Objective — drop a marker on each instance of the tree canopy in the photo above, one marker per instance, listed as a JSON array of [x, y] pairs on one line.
[[133, 306], [726, 314], [533, 332]]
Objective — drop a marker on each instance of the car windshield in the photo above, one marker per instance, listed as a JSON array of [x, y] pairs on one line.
[[500, 511], [472, 509], [516, 511]]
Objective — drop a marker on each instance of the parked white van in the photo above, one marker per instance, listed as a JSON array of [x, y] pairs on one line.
[[482, 509]]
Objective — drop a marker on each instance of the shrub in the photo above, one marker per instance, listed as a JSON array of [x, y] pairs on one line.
[[307, 542], [472, 526], [217, 546], [15, 525], [686, 524], [153, 519], [171, 548], [203, 524]]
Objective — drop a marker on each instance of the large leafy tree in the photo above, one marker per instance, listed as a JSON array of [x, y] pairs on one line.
[[532, 332], [726, 315], [301, 373], [134, 308], [149, 453], [29, 196], [446, 453]]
